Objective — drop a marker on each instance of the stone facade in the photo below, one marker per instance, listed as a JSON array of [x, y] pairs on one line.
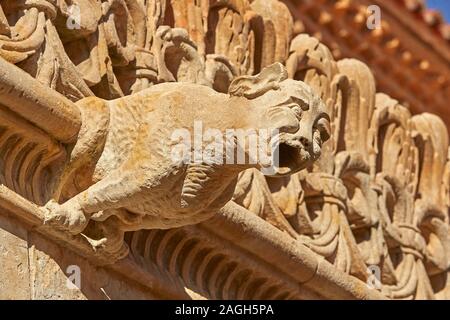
[[90, 94]]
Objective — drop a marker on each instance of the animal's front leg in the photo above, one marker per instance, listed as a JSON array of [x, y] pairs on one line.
[[112, 192], [68, 216]]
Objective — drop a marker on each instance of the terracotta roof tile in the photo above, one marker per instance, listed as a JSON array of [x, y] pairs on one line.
[[431, 17]]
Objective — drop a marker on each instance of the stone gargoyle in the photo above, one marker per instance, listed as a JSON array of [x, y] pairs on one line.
[[121, 175]]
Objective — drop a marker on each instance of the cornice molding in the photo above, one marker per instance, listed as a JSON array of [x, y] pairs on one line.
[[239, 238]]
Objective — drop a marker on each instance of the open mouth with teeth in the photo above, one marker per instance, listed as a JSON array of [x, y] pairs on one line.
[[289, 159]]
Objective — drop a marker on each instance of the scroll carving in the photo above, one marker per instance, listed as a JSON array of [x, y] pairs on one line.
[[371, 178]]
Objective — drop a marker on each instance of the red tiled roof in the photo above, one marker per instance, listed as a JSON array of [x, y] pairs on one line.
[[433, 18]]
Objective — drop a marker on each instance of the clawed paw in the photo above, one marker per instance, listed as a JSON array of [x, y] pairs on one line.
[[96, 244], [69, 217], [103, 246]]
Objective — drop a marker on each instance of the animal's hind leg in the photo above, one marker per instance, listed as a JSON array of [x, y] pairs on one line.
[[108, 236], [112, 192]]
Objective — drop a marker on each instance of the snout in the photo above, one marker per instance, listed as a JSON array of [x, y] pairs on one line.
[[301, 134], [293, 153]]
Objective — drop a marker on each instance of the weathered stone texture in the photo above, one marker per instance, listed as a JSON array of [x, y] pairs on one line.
[[14, 266], [33, 267]]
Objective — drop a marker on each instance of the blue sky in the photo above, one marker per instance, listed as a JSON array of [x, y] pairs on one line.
[[443, 5]]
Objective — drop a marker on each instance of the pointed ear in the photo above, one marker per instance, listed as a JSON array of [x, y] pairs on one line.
[[252, 87]]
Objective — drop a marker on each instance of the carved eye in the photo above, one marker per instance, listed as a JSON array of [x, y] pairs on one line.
[[323, 126], [284, 119], [295, 108]]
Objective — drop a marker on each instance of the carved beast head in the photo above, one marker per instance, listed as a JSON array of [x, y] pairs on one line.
[[293, 109]]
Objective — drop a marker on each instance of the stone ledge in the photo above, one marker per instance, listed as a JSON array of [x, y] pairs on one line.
[[259, 241]]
